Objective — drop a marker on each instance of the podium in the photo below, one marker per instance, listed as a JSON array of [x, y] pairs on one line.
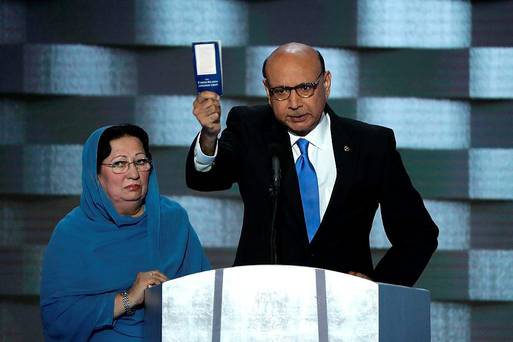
[[284, 303]]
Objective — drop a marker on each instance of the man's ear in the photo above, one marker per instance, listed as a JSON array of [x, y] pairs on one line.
[[264, 82], [327, 84]]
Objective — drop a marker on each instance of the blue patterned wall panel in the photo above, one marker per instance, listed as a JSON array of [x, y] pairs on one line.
[[440, 174], [343, 65], [12, 181], [81, 22], [168, 71], [492, 123], [77, 117], [447, 276], [12, 122], [492, 225], [21, 269], [453, 219], [12, 22], [55, 170], [170, 164], [26, 220], [491, 23], [11, 68], [492, 322], [12, 328], [491, 175], [414, 73], [345, 107], [420, 123], [255, 57], [450, 322], [138, 22], [317, 22], [11, 232], [175, 22], [491, 73], [216, 221], [52, 169], [79, 70], [490, 276], [414, 23], [169, 119], [437, 72]]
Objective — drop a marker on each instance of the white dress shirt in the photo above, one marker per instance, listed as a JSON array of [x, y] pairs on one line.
[[202, 162], [320, 153]]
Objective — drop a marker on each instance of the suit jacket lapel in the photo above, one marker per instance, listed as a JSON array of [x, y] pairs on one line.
[[290, 197], [345, 150]]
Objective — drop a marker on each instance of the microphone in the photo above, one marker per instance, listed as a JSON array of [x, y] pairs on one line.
[[274, 190], [276, 175]]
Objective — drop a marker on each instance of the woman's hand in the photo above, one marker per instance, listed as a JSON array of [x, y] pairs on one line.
[[136, 292], [143, 281]]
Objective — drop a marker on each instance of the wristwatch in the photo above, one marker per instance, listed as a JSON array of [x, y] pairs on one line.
[[126, 303]]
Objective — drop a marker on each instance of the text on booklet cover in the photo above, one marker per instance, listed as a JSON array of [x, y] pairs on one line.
[[208, 67]]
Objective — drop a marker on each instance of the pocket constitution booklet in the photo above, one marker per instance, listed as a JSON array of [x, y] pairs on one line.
[[208, 70]]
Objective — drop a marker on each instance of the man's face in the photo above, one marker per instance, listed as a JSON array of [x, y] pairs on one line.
[[299, 114]]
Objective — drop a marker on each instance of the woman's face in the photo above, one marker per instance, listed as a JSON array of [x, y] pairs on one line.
[[126, 190]]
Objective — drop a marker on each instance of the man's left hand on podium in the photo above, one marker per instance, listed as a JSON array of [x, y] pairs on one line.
[[361, 275]]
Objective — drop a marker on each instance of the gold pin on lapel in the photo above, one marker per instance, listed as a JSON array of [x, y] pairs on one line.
[[347, 148]]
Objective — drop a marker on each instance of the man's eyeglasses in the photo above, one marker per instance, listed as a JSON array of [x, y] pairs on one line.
[[121, 166], [304, 90]]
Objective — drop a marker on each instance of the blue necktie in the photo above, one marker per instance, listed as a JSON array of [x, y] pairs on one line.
[[309, 189]]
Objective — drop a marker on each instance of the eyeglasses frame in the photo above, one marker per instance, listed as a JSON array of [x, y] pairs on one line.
[[314, 85], [111, 166]]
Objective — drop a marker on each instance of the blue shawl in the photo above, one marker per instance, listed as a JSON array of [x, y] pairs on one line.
[[94, 253]]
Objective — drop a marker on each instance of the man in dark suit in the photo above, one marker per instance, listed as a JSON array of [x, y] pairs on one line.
[[334, 174]]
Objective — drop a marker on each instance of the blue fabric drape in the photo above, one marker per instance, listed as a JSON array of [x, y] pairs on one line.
[[94, 253]]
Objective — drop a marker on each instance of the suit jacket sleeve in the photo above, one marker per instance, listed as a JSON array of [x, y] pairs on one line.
[[408, 226], [226, 166]]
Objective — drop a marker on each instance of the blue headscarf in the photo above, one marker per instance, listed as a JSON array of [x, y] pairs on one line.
[[95, 252]]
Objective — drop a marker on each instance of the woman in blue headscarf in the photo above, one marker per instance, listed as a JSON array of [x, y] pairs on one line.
[[123, 238]]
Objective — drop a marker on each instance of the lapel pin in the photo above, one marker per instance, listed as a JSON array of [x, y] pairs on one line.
[[347, 148]]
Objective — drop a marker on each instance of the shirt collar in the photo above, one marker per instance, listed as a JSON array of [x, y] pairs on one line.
[[318, 136]]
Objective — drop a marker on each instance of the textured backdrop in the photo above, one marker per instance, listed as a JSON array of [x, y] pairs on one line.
[[439, 72]]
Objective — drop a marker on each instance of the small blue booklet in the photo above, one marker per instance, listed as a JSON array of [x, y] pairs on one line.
[[207, 66]]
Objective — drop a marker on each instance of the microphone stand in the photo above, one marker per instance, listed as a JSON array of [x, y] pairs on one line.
[[274, 190]]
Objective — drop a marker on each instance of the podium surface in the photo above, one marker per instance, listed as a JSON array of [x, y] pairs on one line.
[[284, 303]]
